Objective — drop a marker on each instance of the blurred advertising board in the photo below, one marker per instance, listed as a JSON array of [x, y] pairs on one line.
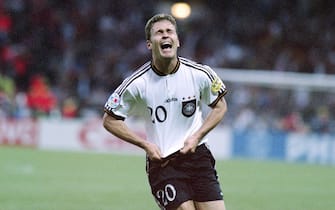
[[292, 147], [89, 135], [85, 135]]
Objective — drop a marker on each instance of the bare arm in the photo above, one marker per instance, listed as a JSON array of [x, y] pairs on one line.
[[213, 118], [119, 129]]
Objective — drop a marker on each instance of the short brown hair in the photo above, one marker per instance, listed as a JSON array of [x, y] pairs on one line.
[[157, 18]]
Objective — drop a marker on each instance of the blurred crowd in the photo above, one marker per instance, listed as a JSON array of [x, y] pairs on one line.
[[265, 109], [62, 58]]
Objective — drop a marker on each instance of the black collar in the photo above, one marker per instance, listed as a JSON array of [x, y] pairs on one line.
[[163, 74]]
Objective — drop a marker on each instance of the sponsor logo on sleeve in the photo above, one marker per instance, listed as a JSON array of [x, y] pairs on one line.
[[113, 101]]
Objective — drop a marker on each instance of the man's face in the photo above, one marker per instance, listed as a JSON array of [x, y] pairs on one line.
[[164, 40]]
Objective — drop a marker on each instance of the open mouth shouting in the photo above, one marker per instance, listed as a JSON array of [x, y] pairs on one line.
[[166, 46]]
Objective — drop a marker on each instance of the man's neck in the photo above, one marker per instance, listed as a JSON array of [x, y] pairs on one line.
[[165, 66]]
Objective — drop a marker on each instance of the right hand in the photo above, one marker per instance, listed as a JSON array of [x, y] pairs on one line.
[[153, 151]]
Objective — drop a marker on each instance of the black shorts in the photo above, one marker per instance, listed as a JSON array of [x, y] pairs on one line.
[[179, 178]]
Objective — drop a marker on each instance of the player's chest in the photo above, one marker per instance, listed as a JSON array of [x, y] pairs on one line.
[[173, 92], [170, 87]]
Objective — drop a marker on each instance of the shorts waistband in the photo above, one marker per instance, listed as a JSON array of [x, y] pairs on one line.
[[200, 147]]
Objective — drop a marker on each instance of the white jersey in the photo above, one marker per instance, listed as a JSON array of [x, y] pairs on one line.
[[171, 103]]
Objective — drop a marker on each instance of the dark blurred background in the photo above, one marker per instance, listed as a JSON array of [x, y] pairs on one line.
[[64, 57]]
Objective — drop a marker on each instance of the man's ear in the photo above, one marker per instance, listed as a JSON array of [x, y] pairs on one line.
[[149, 44]]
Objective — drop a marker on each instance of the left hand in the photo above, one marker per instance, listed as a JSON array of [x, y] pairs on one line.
[[190, 145]]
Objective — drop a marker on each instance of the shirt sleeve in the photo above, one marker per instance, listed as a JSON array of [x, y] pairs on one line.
[[121, 105], [213, 89]]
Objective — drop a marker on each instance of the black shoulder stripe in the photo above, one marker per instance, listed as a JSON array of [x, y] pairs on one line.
[[190, 63], [223, 91], [140, 71], [197, 66]]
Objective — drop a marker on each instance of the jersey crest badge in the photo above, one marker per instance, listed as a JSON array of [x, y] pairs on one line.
[[113, 101], [188, 107], [216, 85]]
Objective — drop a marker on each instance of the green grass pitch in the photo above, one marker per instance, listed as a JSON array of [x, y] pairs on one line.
[[48, 180]]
